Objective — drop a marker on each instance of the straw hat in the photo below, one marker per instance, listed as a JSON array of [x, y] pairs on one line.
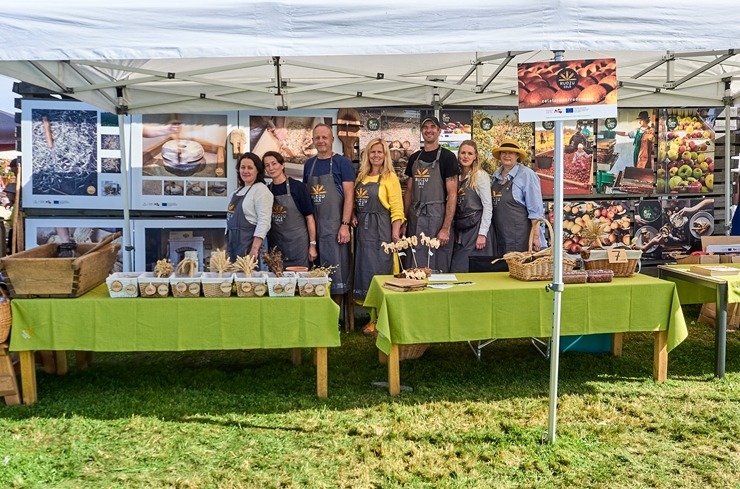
[[511, 145]]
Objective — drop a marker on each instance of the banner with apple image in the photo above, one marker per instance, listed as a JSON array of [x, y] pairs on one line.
[[685, 151]]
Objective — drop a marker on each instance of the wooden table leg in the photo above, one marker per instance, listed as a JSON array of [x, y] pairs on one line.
[[83, 359], [60, 357], [322, 373], [295, 356], [617, 344], [28, 377], [8, 382], [660, 356], [394, 372], [48, 362], [382, 358]]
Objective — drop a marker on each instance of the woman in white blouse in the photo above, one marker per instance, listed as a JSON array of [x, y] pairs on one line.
[[473, 230], [250, 210]]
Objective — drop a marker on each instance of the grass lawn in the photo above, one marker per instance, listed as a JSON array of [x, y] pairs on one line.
[[252, 419]]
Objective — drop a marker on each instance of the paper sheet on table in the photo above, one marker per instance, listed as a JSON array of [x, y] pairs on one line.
[[440, 286], [443, 277]]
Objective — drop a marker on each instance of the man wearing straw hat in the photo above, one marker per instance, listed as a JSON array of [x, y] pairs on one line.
[[431, 197], [517, 200]]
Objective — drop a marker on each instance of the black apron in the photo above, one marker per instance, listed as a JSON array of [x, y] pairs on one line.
[[327, 210], [239, 231], [468, 215], [427, 213], [510, 219], [289, 231], [373, 228]]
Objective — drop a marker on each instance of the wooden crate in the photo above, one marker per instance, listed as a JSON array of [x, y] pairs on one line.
[[39, 273]]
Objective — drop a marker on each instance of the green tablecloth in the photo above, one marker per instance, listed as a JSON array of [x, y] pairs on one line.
[[497, 306], [690, 293], [95, 322]]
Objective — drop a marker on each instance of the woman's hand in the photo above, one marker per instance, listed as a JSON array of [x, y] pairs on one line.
[[480, 242]]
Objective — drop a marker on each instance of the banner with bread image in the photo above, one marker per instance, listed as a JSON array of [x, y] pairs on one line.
[[566, 90]]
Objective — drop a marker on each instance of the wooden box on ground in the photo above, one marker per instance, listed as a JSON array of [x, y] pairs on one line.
[[39, 273], [708, 315]]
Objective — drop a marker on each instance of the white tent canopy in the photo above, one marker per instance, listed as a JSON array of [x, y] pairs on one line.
[[188, 56]]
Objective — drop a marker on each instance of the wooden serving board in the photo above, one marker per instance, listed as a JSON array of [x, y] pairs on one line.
[[405, 284]]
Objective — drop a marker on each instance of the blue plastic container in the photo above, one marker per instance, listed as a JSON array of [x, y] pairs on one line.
[[588, 343]]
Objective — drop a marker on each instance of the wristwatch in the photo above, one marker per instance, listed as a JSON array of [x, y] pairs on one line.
[[345, 223]]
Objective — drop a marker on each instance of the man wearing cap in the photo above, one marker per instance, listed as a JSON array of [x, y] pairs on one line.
[[517, 200], [431, 196]]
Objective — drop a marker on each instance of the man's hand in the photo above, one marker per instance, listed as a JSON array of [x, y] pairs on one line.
[[443, 236], [343, 234]]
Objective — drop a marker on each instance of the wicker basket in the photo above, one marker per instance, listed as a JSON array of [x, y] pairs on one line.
[[185, 286], [123, 284], [5, 317], [531, 265], [411, 352], [598, 259], [215, 286], [153, 286], [312, 286], [252, 286]]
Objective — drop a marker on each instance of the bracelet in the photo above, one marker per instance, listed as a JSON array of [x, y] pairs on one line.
[[312, 243], [345, 223]]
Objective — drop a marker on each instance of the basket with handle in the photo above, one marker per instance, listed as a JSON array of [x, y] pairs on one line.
[[598, 259], [531, 265]]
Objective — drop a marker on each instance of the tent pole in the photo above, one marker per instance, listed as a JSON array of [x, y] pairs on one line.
[[728, 161], [128, 265], [557, 278]]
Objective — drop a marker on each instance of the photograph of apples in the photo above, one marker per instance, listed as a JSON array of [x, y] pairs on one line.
[[594, 223], [685, 152]]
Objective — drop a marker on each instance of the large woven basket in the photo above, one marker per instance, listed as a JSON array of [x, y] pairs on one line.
[[5, 317], [598, 259], [531, 265], [411, 352]]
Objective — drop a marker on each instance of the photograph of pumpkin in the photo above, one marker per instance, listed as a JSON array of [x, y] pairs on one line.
[[594, 223], [573, 82], [578, 155], [184, 145], [491, 127], [685, 151]]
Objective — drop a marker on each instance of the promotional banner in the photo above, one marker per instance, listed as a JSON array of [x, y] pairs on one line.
[[686, 151], [71, 156], [578, 155], [491, 127], [399, 128], [567, 90]]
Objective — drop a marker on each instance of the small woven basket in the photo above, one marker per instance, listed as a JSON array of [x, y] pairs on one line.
[[411, 352], [215, 286], [5, 317], [531, 265], [597, 259]]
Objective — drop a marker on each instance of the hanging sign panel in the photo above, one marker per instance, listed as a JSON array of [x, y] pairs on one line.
[[567, 90]]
